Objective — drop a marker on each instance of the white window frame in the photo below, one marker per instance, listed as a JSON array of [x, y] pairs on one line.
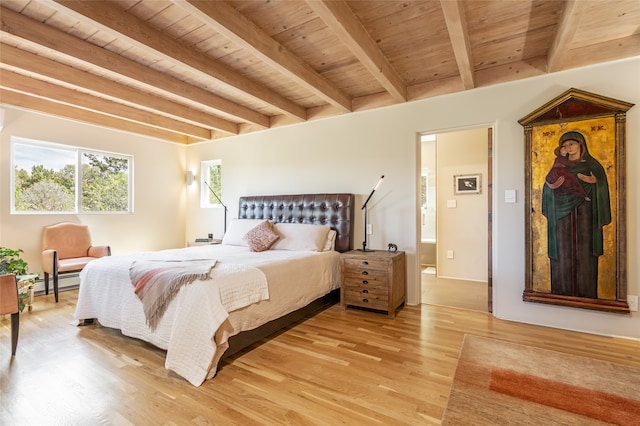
[[77, 151]]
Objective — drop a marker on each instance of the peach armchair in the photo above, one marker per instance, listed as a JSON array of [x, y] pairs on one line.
[[9, 305], [66, 247]]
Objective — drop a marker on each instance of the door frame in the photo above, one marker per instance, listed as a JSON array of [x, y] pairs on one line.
[[490, 199]]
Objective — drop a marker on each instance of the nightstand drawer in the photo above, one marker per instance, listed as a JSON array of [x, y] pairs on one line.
[[364, 300], [371, 286], [360, 276], [359, 264]]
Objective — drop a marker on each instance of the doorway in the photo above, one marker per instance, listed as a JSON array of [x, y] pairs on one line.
[[455, 218]]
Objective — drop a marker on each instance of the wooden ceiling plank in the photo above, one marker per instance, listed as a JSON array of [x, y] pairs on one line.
[[341, 20], [443, 86], [532, 67], [110, 18], [459, 34], [32, 63], [46, 106], [24, 84], [565, 32], [606, 51], [20, 26], [227, 21]]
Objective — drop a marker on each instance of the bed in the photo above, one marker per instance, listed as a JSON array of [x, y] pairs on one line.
[[247, 294]]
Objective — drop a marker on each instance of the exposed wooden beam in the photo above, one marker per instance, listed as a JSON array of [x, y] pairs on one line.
[[19, 27], [46, 106], [20, 59], [111, 18], [227, 21], [565, 31], [458, 34], [16, 82], [341, 20]]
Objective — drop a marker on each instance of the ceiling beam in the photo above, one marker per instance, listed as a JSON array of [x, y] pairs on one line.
[[227, 21], [19, 27], [456, 21], [16, 82], [565, 31], [111, 18], [56, 109], [52, 70], [341, 20]]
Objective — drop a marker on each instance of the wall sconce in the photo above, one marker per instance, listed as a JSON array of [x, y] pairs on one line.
[[190, 177]]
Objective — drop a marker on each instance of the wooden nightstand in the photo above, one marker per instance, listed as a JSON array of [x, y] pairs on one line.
[[373, 279]]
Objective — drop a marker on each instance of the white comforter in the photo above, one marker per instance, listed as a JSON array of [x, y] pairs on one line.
[[195, 328]]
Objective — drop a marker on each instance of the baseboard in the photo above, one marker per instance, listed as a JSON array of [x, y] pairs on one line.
[[65, 282]]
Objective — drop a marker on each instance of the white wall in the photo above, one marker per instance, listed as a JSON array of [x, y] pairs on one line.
[[348, 153], [159, 189], [462, 229]]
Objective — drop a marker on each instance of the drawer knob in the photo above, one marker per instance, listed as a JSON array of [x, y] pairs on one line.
[[365, 282], [364, 262], [365, 291], [365, 300], [365, 273]]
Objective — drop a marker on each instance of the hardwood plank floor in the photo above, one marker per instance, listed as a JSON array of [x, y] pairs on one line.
[[454, 293], [338, 367]]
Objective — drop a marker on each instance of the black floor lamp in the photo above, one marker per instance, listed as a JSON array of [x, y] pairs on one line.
[[364, 207], [221, 203]]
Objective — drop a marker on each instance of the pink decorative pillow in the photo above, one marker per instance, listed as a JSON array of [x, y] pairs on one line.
[[261, 237]]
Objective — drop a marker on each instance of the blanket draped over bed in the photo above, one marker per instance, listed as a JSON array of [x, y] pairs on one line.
[[156, 282], [187, 328]]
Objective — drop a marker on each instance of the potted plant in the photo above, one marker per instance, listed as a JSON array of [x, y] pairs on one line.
[[12, 263]]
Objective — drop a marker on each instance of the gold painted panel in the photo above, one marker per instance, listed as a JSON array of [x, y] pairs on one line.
[[600, 138]]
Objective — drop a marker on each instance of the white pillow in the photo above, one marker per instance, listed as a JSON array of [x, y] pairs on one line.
[[237, 229], [330, 244], [300, 236]]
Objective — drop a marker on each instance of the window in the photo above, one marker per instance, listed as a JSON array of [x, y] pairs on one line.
[[211, 183], [424, 188], [54, 178]]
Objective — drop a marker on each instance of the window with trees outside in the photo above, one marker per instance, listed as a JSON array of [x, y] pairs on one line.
[[56, 178], [211, 183]]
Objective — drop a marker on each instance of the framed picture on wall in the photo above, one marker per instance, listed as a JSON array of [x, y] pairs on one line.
[[467, 184], [575, 203]]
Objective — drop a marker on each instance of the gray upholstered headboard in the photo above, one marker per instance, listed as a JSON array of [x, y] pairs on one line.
[[334, 210]]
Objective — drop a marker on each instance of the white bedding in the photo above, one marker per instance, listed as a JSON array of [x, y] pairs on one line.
[[196, 326]]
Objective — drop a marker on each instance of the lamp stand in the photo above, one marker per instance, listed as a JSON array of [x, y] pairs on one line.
[[221, 203], [364, 207], [364, 243]]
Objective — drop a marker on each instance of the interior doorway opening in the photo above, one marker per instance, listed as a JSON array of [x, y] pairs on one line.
[[455, 218]]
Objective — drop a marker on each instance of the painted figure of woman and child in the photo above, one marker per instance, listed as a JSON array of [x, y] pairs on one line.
[[575, 201]]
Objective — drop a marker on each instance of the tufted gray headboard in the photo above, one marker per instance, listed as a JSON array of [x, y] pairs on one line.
[[334, 210]]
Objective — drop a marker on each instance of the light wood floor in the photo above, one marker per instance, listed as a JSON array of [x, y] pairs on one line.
[[339, 367], [462, 294]]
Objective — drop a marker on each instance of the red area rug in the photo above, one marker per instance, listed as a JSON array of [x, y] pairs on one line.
[[501, 383]]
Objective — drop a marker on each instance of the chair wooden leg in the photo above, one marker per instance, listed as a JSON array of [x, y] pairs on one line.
[[15, 326], [46, 283], [55, 285]]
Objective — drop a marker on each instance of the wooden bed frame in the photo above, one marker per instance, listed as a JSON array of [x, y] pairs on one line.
[[333, 210]]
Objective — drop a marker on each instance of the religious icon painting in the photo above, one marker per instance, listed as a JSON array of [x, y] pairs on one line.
[[575, 207]]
